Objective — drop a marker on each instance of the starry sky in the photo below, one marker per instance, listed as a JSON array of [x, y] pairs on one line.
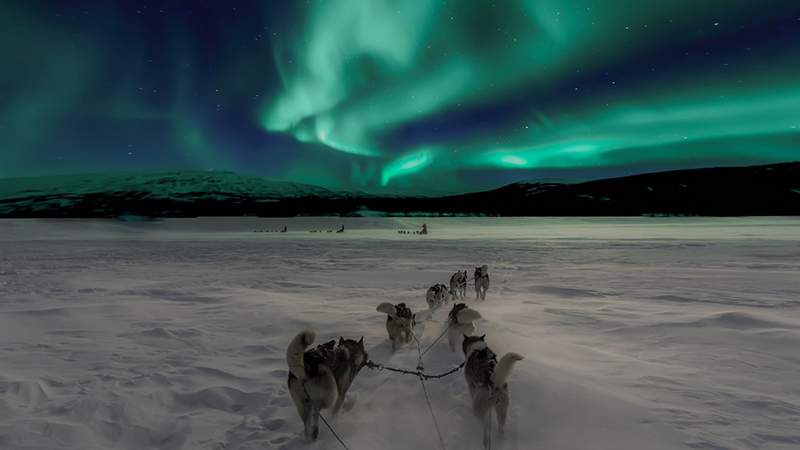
[[398, 96]]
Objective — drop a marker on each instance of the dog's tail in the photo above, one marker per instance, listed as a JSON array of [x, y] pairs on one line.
[[387, 308], [503, 369], [467, 315], [294, 354]]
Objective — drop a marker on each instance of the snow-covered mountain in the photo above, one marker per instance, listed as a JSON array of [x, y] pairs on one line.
[[183, 184], [112, 194], [727, 191]]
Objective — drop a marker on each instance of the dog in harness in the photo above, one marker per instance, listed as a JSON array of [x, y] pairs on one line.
[[400, 322], [481, 282], [460, 322], [319, 378], [487, 382], [436, 296], [458, 285]]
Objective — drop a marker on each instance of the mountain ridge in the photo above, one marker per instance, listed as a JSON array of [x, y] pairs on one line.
[[772, 189]]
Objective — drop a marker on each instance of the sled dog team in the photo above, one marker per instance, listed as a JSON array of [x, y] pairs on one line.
[[320, 377]]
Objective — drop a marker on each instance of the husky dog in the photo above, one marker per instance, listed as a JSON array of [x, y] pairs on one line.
[[460, 322], [486, 379], [436, 296], [399, 323], [319, 378], [481, 282], [458, 285]]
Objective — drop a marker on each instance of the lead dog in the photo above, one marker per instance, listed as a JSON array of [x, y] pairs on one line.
[[481, 282], [458, 285], [436, 296], [319, 378], [460, 322], [400, 322], [486, 379]]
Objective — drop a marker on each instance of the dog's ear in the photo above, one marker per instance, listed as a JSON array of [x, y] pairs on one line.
[[361, 342], [482, 337], [465, 336], [341, 340]]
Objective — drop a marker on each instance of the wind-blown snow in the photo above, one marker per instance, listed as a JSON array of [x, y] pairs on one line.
[[638, 333]]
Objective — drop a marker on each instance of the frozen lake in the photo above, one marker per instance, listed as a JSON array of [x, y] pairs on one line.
[[638, 333]]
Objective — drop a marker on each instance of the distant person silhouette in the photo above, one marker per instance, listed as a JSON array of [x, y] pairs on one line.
[[284, 229], [424, 229], [340, 230]]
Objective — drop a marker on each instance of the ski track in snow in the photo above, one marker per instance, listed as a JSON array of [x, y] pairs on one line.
[[637, 333]]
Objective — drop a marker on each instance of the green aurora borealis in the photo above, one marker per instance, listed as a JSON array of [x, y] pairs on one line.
[[414, 95]]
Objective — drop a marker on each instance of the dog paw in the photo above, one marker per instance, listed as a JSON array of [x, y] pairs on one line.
[[349, 402]]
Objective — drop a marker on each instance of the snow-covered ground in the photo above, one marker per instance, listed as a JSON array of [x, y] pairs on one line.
[[638, 333]]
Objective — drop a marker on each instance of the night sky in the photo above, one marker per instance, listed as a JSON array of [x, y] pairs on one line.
[[418, 96]]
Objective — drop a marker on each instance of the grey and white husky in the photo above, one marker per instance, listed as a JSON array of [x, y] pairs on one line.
[[481, 282], [400, 322], [458, 285], [319, 378], [436, 296], [486, 378], [460, 321]]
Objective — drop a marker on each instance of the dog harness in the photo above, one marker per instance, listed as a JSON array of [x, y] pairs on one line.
[[453, 315], [403, 311], [322, 354], [486, 361]]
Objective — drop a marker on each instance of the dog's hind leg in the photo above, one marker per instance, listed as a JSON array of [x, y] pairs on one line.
[[302, 402], [312, 429], [501, 409], [338, 405], [304, 409], [482, 408], [487, 430]]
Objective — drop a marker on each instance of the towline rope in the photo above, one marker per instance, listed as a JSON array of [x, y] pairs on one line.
[[420, 368], [334, 432], [449, 324], [417, 373]]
